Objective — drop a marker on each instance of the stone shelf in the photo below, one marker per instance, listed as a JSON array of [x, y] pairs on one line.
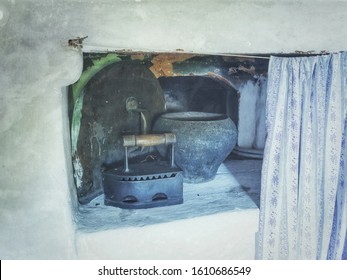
[[235, 188]]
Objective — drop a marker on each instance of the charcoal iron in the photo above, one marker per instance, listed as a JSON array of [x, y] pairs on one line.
[[147, 184]]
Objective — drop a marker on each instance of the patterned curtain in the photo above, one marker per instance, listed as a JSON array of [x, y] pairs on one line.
[[303, 207]]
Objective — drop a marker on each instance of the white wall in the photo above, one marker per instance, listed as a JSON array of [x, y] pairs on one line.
[[222, 236], [36, 218]]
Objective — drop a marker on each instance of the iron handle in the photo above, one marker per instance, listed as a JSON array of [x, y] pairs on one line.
[[148, 140]]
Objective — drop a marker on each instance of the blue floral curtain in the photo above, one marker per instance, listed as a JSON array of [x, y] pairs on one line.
[[303, 207]]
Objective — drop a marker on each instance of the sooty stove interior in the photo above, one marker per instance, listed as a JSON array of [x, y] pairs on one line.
[[123, 95]]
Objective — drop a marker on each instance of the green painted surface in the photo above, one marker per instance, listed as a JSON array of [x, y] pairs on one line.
[[76, 121], [98, 64], [78, 93]]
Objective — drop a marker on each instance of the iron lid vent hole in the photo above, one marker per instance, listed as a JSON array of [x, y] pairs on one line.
[[130, 199], [159, 196]]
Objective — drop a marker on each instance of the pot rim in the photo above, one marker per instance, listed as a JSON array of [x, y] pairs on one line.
[[194, 116]]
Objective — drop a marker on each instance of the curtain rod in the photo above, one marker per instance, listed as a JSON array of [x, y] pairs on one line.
[[78, 43], [95, 49], [247, 56]]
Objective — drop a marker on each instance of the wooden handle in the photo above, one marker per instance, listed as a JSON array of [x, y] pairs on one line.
[[147, 140]]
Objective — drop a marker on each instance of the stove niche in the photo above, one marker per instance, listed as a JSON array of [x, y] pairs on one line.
[[125, 93]]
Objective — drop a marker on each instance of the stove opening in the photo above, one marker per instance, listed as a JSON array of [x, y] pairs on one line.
[[169, 129]]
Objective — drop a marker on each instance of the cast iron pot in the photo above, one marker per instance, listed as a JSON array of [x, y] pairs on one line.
[[204, 140]]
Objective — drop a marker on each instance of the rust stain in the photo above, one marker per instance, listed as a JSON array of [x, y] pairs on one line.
[[250, 70], [163, 63], [221, 78], [138, 56]]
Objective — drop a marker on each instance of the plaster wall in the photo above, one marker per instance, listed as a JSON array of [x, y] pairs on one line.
[[37, 201]]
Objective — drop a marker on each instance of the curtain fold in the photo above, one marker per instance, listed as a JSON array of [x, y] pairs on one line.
[[303, 207]]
